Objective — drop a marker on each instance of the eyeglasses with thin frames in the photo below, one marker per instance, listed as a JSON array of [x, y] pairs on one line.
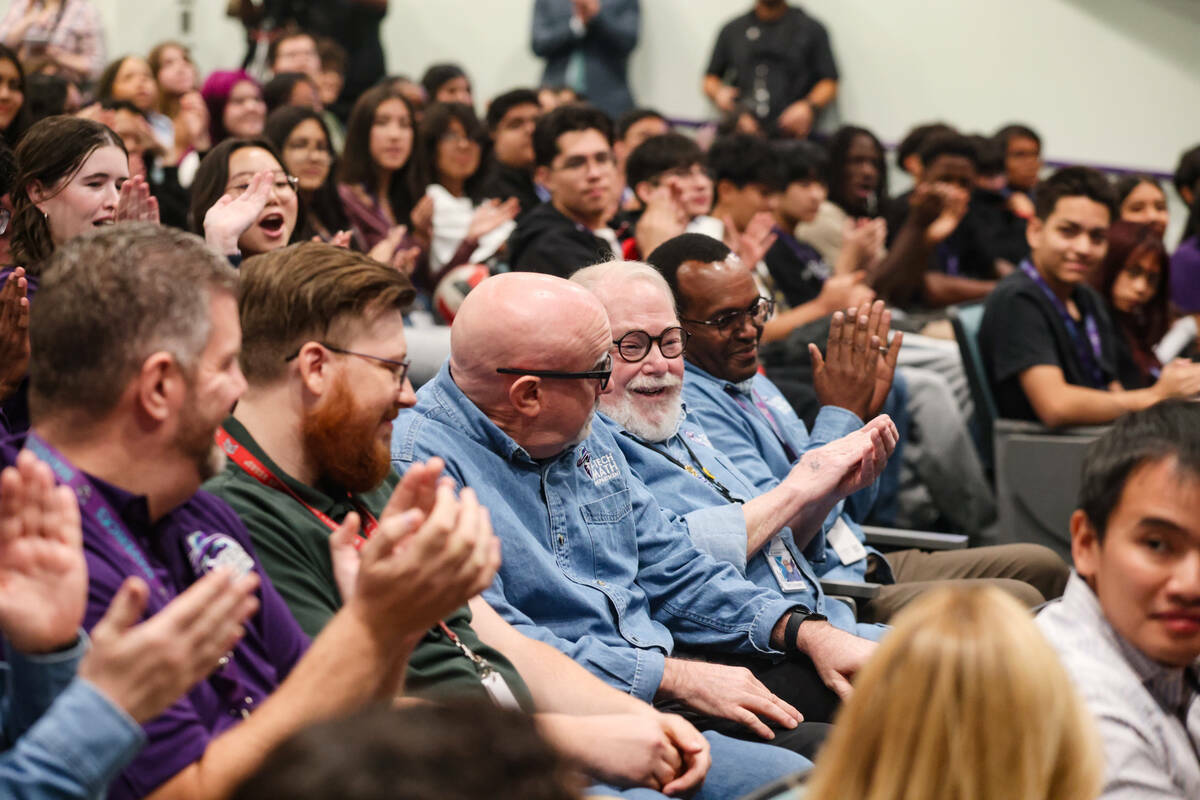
[[602, 373], [759, 312], [398, 369]]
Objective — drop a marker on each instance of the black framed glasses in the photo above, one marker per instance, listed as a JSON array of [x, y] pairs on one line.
[[602, 373], [635, 345], [758, 312], [398, 369]]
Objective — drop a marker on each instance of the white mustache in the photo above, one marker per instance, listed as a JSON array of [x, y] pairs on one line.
[[652, 383]]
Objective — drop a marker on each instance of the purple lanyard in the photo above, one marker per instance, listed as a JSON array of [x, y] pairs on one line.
[[1089, 358], [764, 411], [93, 505]]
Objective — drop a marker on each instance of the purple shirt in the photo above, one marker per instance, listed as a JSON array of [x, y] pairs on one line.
[[203, 531]]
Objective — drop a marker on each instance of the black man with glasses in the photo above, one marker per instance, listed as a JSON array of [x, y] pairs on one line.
[[748, 419], [593, 565]]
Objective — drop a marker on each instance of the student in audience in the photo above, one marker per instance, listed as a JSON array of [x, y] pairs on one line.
[[965, 701], [777, 59], [313, 423], [573, 150], [592, 564], [1133, 280], [235, 105], [148, 160], [15, 116], [908, 152], [1022, 158], [244, 201], [294, 51], [1127, 628], [748, 420], [511, 118], [1187, 184], [671, 191], [748, 181], [447, 167], [130, 78], [634, 127], [291, 89], [416, 753], [73, 705], [1048, 344], [586, 46], [373, 177], [333, 70], [990, 213], [944, 261], [179, 97], [447, 83], [66, 33], [135, 364], [858, 189], [300, 136], [763, 534], [1141, 199]]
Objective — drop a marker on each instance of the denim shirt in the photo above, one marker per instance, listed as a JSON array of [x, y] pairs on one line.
[[728, 415], [592, 565], [67, 739], [718, 526]]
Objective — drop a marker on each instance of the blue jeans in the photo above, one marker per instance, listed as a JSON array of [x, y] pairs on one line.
[[738, 768]]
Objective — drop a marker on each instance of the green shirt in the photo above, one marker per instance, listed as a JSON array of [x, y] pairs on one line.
[[293, 547]]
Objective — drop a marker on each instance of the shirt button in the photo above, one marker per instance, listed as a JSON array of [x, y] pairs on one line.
[[561, 540]]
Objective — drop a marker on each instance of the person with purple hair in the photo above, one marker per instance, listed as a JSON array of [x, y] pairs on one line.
[[235, 105]]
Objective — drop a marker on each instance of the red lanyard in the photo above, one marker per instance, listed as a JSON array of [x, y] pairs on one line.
[[257, 470]]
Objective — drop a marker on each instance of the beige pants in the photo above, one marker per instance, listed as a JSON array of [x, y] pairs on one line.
[[1030, 572]]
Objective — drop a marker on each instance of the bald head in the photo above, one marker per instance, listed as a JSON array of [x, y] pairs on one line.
[[524, 320]]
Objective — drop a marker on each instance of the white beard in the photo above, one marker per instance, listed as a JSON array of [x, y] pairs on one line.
[[623, 409]]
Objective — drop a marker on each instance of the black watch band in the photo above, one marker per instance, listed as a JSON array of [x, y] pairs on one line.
[[797, 618]]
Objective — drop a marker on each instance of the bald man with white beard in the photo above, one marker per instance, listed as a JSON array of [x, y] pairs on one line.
[[592, 564]]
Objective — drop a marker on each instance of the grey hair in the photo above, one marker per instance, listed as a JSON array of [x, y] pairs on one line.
[[622, 273], [110, 299]]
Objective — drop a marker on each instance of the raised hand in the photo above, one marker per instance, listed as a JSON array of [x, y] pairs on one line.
[[43, 576], [955, 200], [879, 325], [490, 215], [846, 291], [14, 332], [135, 203], [663, 219], [231, 215], [422, 220], [845, 376], [144, 668], [727, 692], [753, 243]]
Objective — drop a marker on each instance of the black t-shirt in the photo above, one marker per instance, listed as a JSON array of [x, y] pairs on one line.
[[797, 268], [1001, 232], [962, 253], [1021, 329], [773, 64]]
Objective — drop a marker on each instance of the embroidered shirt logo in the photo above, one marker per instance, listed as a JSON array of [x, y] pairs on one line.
[[600, 469], [207, 551], [699, 437]]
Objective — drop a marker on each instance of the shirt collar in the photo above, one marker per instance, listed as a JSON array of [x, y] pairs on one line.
[[744, 387], [1168, 685], [323, 501], [467, 417]]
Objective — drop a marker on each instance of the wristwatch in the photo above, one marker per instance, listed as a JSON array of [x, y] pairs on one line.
[[796, 618]]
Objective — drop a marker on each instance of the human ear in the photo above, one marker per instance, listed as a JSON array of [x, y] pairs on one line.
[[525, 395]]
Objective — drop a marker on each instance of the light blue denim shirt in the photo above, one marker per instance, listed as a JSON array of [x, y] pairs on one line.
[[718, 526], [70, 740], [729, 415], [592, 564]]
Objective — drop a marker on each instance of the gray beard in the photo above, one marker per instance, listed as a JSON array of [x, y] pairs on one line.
[[622, 412]]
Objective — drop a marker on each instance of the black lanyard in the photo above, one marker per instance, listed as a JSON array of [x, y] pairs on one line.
[[698, 470]]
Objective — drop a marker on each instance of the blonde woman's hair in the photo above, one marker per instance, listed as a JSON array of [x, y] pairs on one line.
[[964, 700]]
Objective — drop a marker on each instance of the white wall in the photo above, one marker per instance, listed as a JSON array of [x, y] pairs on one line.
[[1107, 81]]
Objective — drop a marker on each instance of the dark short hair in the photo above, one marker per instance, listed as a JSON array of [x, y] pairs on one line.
[[632, 117], [109, 299], [1073, 182], [332, 55], [661, 154], [1170, 429], [452, 752], [437, 75], [801, 161], [990, 155], [503, 103], [290, 32], [1187, 171], [1017, 130], [567, 119], [295, 294], [743, 159], [277, 92], [912, 141], [669, 256], [948, 143]]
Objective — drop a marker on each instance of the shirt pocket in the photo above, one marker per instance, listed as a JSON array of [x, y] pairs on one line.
[[608, 510]]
